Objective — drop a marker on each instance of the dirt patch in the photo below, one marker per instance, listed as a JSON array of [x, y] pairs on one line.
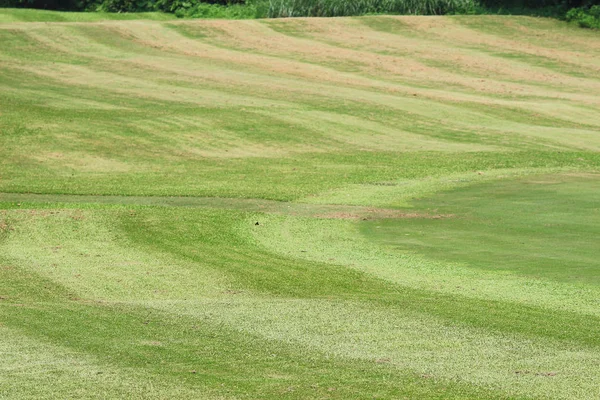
[[153, 343], [4, 226], [546, 374], [374, 213], [590, 175]]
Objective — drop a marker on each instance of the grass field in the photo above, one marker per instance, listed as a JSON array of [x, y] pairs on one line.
[[352, 208]]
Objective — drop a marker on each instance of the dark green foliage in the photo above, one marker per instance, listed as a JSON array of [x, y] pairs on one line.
[[195, 9], [174, 5], [586, 13], [211, 8], [537, 4], [126, 5], [586, 18], [335, 8], [540, 8], [311, 8], [117, 5], [67, 5], [253, 9]]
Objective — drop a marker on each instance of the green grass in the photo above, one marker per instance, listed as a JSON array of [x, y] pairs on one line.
[[539, 227], [426, 193]]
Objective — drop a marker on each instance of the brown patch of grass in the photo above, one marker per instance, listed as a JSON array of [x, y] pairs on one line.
[[431, 46], [4, 226], [153, 343], [380, 213], [82, 162], [452, 31]]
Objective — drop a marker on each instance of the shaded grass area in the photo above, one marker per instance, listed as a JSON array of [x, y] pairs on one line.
[[543, 227]]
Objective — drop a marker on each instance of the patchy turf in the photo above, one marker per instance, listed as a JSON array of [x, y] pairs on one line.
[[374, 207]]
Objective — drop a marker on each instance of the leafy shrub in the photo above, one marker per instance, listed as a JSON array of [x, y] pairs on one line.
[[173, 5], [202, 9], [233, 11], [585, 18], [126, 6]]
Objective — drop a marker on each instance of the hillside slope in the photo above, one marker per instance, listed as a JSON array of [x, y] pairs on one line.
[[374, 207]]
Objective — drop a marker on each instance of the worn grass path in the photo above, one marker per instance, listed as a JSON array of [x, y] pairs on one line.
[[425, 188]]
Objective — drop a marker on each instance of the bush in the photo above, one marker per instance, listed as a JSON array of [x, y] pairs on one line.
[[233, 11], [210, 8], [202, 9], [173, 5], [585, 18], [126, 6]]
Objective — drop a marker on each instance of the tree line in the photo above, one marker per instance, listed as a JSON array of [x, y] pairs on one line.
[[585, 12]]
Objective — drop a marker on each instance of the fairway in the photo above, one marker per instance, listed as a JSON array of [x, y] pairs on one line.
[[374, 207]]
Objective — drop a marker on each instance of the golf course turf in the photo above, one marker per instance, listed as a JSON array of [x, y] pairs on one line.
[[375, 207]]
